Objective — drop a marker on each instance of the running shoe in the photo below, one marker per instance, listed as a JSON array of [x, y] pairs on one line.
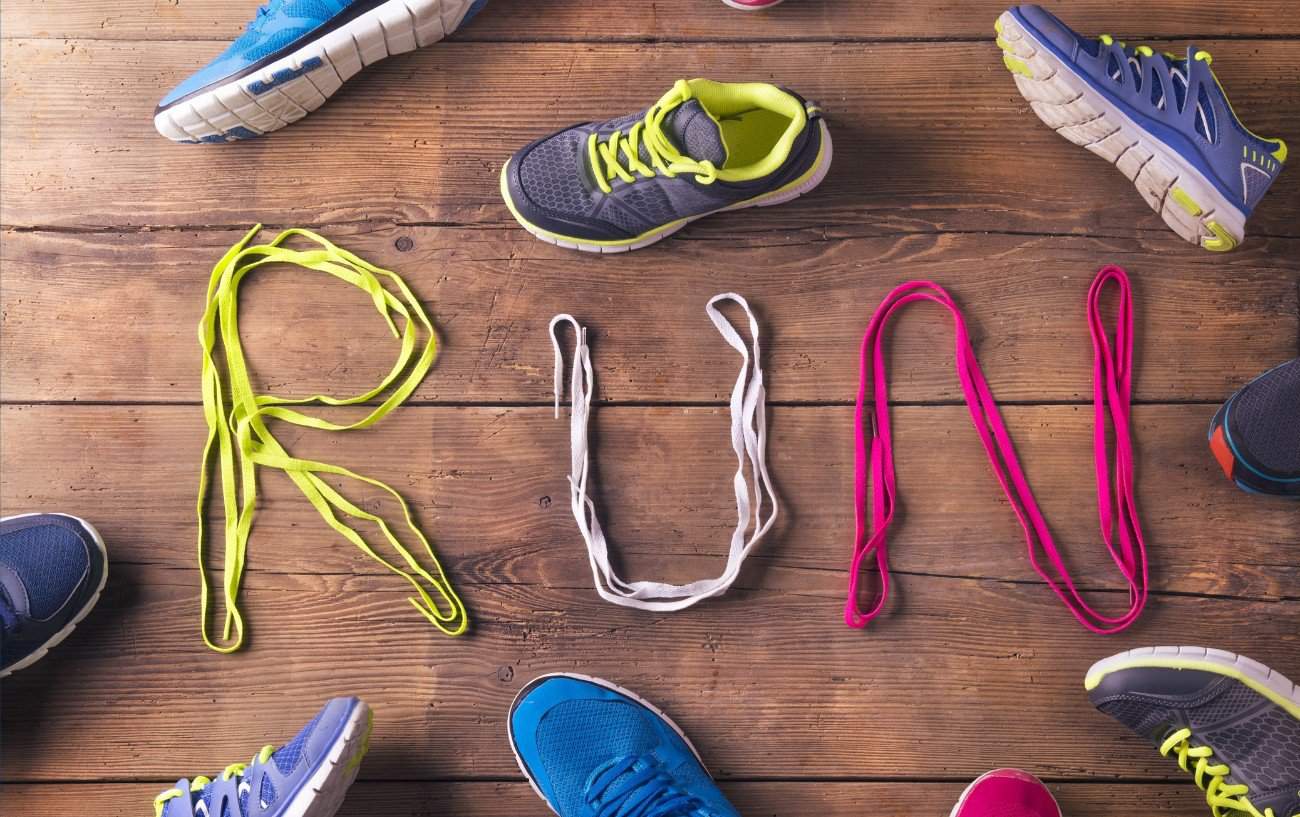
[[293, 56], [1007, 793], [307, 777], [752, 5], [1231, 722], [591, 748], [1162, 119], [703, 147], [52, 571], [1255, 436]]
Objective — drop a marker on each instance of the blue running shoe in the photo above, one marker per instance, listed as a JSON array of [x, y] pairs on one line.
[[703, 147], [52, 570], [293, 56], [1163, 120], [591, 749], [307, 777]]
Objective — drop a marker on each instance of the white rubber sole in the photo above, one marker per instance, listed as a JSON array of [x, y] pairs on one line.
[[85, 611], [1188, 202], [971, 788], [743, 7], [794, 191], [323, 793], [510, 735], [289, 88], [1270, 683]]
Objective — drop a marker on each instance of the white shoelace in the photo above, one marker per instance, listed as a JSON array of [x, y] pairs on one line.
[[748, 440]]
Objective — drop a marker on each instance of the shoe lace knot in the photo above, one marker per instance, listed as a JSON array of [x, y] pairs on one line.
[[198, 784], [1225, 799], [637, 786], [619, 154]]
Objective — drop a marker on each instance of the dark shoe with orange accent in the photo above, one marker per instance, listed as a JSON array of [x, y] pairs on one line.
[[1256, 435]]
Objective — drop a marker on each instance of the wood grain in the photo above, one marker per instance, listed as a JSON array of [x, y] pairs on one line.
[[939, 139], [111, 317], [942, 173], [769, 683], [515, 799], [489, 486], [685, 20]]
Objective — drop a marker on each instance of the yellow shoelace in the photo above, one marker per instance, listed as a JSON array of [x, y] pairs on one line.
[[607, 163], [1210, 776], [198, 783], [245, 424]]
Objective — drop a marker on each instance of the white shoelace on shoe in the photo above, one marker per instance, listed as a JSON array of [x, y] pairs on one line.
[[748, 440]]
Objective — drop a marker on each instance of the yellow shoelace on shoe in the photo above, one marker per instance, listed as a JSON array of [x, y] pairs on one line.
[[197, 784], [242, 431], [665, 159], [1225, 800]]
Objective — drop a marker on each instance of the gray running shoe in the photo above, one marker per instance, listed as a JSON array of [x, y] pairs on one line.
[[1231, 722], [704, 147]]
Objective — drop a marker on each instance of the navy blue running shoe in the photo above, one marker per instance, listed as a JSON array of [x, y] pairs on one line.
[[1255, 436], [52, 570], [703, 147], [293, 56], [590, 749], [1162, 119], [1230, 722], [307, 777]]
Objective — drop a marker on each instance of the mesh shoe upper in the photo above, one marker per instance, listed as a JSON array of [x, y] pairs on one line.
[[552, 183], [1264, 421], [274, 776], [1007, 793], [593, 750], [276, 26], [51, 568], [1255, 737], [1177, 99]]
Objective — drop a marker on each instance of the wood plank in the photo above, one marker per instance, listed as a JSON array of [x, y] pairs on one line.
[[489, 486], [105, 317], [677, 20], [421, 139], [829, 799], [769, 683]]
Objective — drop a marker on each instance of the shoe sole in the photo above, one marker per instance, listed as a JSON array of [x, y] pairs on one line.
[[971, 788], [58, 637], [1271, 684], [323, 793], [1068, 103], [600, 682], [288, 89], [805, 183]]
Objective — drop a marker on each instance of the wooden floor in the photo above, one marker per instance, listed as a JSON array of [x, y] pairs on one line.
[[941, 172]]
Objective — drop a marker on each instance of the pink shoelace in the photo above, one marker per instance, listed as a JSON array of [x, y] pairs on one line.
[[1112, 375]]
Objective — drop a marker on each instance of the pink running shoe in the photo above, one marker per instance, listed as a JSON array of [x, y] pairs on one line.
[[751, 5], [1007, 793]]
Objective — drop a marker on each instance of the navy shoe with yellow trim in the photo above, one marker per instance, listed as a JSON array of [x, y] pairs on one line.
[[702, 148]]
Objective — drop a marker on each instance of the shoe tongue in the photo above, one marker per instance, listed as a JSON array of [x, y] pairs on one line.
[[695, 133]]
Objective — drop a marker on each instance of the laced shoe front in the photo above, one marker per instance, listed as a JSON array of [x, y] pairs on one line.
[[1231, 723]]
